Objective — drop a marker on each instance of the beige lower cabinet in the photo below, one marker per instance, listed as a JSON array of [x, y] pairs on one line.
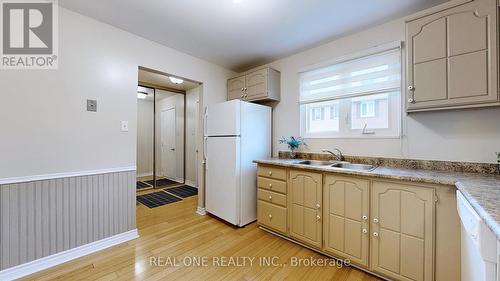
[[396, 229], [346, 218], [271, 198], [402, 231], [305, 199]]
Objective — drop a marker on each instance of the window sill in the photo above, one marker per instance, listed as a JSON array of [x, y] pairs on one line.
[[352, 137]]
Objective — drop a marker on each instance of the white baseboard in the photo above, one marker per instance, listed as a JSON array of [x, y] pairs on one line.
[[201, 211], [62, 257], [190, 183]]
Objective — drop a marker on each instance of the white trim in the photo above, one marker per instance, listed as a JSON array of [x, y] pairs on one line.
[[201, 211], [144, 175], [190, 183], [65, 175], [62, 257]]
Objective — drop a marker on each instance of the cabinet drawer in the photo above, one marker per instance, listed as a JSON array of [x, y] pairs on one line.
[[272, 172], [273, 185], [271, 215], [271, 197]]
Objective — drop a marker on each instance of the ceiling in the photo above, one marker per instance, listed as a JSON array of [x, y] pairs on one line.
[[151, 78], [240, 34]]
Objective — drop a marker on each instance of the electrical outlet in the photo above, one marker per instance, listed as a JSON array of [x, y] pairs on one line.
[[92, 105], [124, 126]]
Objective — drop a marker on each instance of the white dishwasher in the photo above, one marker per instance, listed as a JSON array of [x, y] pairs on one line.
[[478, 245]]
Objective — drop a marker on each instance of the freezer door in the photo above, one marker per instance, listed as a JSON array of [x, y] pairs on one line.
[[223, 178], [223, 119]]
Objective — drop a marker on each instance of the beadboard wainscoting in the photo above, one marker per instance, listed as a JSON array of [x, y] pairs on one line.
[[45, 217]]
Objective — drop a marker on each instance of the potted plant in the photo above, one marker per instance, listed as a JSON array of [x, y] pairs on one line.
[[293, 144], [498, 161]]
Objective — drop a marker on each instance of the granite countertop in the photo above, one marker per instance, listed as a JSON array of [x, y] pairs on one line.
[[481, 190]]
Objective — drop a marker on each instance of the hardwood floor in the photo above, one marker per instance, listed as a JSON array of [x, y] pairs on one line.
[[175, 230]]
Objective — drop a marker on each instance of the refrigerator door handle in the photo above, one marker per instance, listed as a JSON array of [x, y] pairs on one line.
[[205, 117], [205, 148]]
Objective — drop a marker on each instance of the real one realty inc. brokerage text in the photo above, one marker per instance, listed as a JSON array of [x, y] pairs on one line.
[[244, 261]]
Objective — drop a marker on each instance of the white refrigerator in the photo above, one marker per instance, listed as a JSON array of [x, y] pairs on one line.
[[236, 133]]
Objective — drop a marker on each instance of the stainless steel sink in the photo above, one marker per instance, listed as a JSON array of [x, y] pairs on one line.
[[337, 165], [314, 163], [355, 167]]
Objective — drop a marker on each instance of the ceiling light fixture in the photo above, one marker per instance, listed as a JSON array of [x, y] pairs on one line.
[[175, 80]]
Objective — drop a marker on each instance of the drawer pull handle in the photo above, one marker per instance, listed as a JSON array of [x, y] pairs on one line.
[[318, 218], [375, 220], [375, 234], [270, 198], [365, 231], [270, 216], [270, 185], [318, 206], [365, 217], [270, 173]]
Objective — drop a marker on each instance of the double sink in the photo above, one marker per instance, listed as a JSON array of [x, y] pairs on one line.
[[337, 165]]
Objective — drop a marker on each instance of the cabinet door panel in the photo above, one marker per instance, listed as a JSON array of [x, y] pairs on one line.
[[468, 75], [466, 33], [388, 249], [305, 207], [402, 231], [235, 87], [412, 249], [413, 223], [346, 216], [389, 210], [256, 84], [430, 82], [354, 238], [434, 32]]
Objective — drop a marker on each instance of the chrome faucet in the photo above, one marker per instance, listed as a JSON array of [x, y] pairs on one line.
[[338, 155]]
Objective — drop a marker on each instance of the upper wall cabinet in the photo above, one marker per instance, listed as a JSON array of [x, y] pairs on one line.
[[260, 85], [452, 56]]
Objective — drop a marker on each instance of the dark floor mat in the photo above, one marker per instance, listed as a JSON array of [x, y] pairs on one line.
[[142, 185], [182, 191], [162, 182], [157, 199]]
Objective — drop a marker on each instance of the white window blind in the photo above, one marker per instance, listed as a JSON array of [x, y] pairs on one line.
[[378, 73], [360, 97]]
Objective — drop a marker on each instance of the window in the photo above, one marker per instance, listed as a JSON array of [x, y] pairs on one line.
[[318, 113], [367, 109], [354, 98]]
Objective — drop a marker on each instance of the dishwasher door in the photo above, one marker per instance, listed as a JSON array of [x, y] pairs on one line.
[[477, 244]]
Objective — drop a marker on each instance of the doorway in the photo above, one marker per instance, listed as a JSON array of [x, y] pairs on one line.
[[167, 136]]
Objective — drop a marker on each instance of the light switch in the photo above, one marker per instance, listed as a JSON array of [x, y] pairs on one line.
[[124, 126]]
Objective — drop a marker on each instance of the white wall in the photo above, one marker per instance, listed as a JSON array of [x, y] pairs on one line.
[[170, 100], [44, 124], [191, 134], [464, 135], [144, 137]]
